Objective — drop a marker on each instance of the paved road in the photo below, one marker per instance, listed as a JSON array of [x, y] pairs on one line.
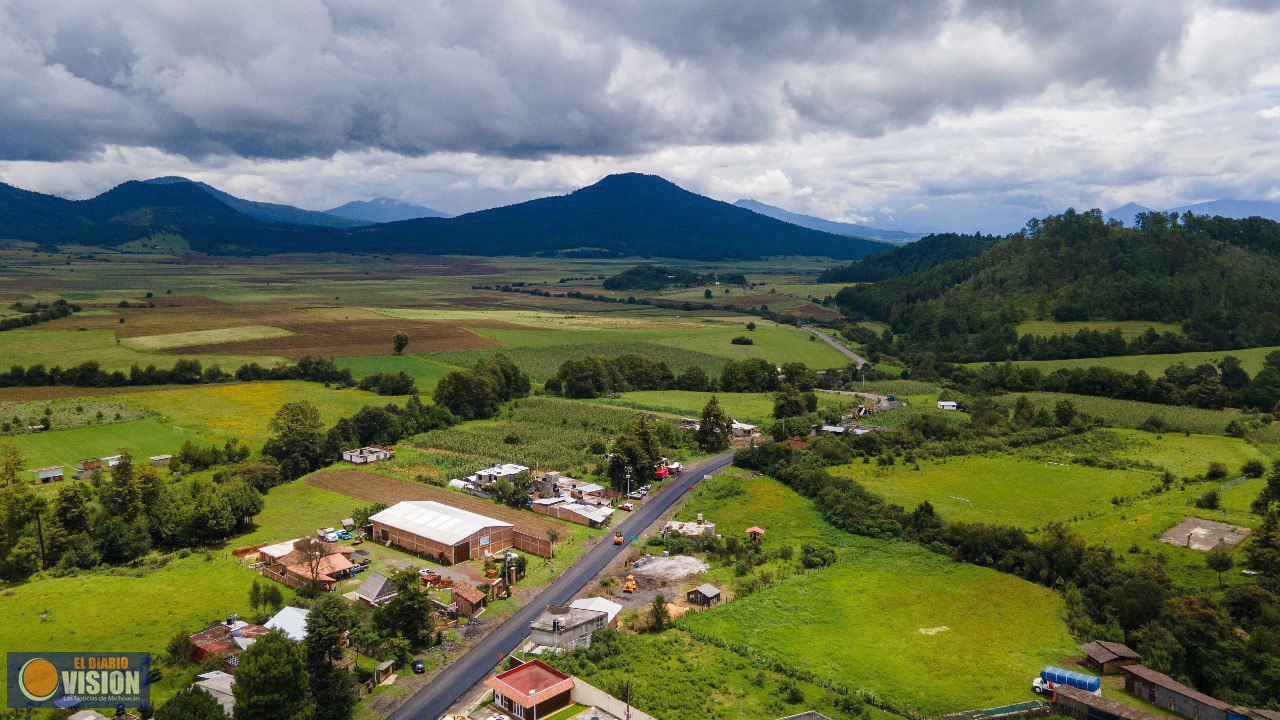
[[857, 359], [444, 690]]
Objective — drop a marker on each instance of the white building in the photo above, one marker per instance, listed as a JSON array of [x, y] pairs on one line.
[[48, 474], [219, 684], [292, 621], [490, 475], [948, 405], [599, 604], [371, 454], [743, 430]]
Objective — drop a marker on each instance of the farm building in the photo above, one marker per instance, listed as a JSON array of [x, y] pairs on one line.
[[49, 474], [580, 489], [608, 607], [705, 595], [161, 460], [743, 430], [1082, 705], [441, 531], [566, 628], [224, 641], [375, 590], [1160, 689], [574, 512], [831, 430], [467, 599], [111, 460], [530, 691], [948, 405], [371, 454], [806, 715], [291, 621], [1109, 658], [490, 475]]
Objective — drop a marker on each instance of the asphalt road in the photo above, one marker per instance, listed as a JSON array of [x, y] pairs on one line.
[[443, 691], [857, 359]]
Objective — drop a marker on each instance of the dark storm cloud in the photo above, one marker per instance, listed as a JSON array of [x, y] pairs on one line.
[[529, 79]]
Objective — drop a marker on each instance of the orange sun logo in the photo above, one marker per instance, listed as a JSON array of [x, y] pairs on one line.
[[38, 679]]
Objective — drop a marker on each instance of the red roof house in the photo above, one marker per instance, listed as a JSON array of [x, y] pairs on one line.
[[531, 691]]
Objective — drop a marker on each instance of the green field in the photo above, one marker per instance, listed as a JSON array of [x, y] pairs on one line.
[[1155, 365], [168, 341], [736, 500], [756, 408], [62, 414], [65, 348], [908, 625], [145, 437], [1129, 328], [424, 371], [1008, 490]]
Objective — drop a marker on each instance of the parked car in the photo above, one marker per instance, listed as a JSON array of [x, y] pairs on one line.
[[627, 506], [418, 667], [635, 495]]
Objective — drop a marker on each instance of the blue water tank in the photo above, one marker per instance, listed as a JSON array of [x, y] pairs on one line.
[[1059, 676]]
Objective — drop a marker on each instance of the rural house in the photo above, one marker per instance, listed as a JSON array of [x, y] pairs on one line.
[[574, 512], [1079, 704], [85, 468], [218, 684], [948, 405], [297, 568], [371, 454], [743, 430], [697, 528], [224, 641], [161, 460], [705, 595], [608, 607], [1109, 658], [441, 531], [566, 628], [1160, 689], [291, 621], [375, 590], [488, 476], [531, 691]]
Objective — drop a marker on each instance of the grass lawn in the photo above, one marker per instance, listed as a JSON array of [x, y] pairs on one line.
[[145, 437], [756, 408], [912, 627], [244, 410], [1250, 358], [736, 499], [1004, 489], [1185, 455], [1129, 328]]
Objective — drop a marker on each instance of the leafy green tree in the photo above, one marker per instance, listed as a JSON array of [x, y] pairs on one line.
[[510, 381], [1263, 549], [399, 342], [272, 681], [120, 495], [650, 447], [297, 439], [1064, 413], [407, 615], [788, 401], [693, 378], [468, 395], [333, 689], [714, 427], [1219, 560], [191, 704], [659, 615]]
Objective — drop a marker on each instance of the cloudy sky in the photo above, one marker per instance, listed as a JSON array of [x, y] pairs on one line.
[[960, 114]]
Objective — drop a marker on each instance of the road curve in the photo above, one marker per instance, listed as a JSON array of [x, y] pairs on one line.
[[857, 359], [445, 689]]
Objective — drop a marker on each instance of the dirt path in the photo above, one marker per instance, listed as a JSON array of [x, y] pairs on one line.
[[843, 349]]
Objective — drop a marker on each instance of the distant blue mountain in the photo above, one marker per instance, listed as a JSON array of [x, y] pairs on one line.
[[1128, 213], [834, 227], [384, 209], [264, 211]]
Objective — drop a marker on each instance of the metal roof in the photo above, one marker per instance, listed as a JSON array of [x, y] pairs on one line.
[[436, 521], [598, 604], [291, 621]]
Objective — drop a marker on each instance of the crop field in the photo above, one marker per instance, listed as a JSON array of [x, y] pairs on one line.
[[1129, 328], [424, 371], [145, 437], [1004, 489], [756, 408], [170, 341], [244, 410], [550, 433], [1132, 414], [914, 628], [64, 348], [1155, 365]]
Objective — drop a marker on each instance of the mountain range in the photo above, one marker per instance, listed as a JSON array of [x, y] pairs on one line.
[[621, 215], [382, 210], [1227, 207], [835, 227]]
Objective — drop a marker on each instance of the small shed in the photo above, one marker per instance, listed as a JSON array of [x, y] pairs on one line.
[[48, 474], [755, 533], [468, 598], [161, 460], [705, 595], [1109, 658], [948, 405], [375, 590]]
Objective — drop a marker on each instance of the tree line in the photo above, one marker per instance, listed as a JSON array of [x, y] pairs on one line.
[[36, 313], [183, 372], [594, 376]]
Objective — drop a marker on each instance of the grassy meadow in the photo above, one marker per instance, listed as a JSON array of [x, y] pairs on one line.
[[1133, 414], [144, 437], [756, 408], [1155, 365]]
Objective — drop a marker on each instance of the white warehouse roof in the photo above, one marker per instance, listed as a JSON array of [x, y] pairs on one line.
[[435, 521]]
